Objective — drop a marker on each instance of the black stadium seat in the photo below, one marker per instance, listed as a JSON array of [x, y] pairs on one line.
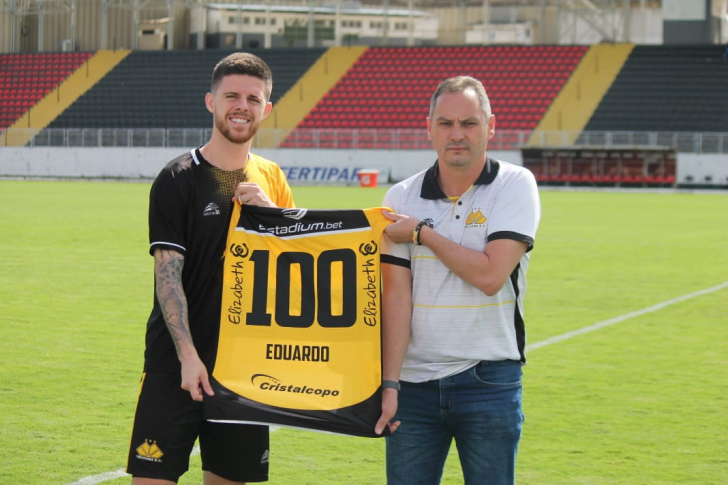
[[166, 89]]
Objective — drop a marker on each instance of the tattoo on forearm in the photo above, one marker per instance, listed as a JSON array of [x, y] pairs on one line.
[[170, 293]]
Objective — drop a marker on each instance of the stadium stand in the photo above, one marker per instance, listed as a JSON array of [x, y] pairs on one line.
[[166, 89], [667, 88], [26, 78], [389, 88], [290, 110], [378, 98], [657, 88], [570, 111]]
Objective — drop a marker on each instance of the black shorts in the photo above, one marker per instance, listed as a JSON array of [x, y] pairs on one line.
[[166, 425]]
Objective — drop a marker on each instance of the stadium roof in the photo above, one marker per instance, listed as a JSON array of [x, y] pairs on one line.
[[331, 10]]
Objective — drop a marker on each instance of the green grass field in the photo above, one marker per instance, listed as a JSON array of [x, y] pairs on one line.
[[641, 401]]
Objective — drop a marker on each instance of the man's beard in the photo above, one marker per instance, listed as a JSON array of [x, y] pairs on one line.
[[460, 159], [239, 139]]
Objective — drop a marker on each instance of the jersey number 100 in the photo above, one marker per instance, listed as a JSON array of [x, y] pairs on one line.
[[311, 291]]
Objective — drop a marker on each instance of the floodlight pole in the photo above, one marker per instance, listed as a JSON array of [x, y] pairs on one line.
[[41, 27], [411, 24], [135, 26], [486, 22], [170, 24], [13, 30], [542, 23], [239, 34], [463, 21], [73, 25], [104, 24], [385, 23], [310, 39], [337, 25], [267, 36]]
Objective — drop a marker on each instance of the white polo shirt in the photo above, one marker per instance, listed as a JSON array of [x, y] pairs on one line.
[[455, 325]]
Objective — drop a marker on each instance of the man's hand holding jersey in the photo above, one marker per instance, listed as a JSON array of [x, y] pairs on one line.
[[250, 193]]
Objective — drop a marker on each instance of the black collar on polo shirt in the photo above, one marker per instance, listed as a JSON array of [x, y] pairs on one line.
[[431, 190]]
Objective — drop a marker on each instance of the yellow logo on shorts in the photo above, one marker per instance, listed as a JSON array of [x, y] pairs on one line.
[[149, 451]]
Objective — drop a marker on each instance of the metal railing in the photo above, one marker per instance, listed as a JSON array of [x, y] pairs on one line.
[[359, 139]]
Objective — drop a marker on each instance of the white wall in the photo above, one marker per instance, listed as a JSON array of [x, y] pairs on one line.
[[704, 169], [302, 166]]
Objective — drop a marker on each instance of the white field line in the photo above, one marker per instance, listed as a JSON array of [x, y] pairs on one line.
[[104, 477], [626, 316], [101, 477]]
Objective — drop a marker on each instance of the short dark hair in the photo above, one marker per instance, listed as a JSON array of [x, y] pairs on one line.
[[243, 63], [458, 85]]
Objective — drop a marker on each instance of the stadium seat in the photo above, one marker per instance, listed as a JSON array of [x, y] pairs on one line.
[[162, 81], [651, 95], [27, 78], [390, 87]]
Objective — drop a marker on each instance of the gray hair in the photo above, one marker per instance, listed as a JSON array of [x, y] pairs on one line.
[[460, 84]]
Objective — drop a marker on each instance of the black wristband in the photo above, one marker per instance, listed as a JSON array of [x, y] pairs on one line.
[[391, 385]]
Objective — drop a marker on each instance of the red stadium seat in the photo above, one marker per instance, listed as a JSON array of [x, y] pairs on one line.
[[33, 76], [526, 82]]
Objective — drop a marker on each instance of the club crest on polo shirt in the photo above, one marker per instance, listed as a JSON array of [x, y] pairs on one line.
[[149, 451], [211, 209], [475, 218]]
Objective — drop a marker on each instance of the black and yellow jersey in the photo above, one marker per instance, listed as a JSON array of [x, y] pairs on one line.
[[300, 327]]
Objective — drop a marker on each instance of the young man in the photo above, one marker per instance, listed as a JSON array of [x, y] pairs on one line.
[[454, 282], [189, 213]]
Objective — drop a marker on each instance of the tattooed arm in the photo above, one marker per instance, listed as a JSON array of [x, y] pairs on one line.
[[170, 293]]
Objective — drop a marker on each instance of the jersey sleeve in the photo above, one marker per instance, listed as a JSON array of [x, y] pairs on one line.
[[167, 214], [284, 194], [272, 180], [517, 211], [393, 253]]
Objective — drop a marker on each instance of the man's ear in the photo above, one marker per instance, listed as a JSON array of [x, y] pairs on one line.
[[429, 125], [491, 126], [208, 102], [267, 110]]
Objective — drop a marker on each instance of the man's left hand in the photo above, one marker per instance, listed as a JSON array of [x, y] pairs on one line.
[[402, 229], [251, 193], [389, 409]]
